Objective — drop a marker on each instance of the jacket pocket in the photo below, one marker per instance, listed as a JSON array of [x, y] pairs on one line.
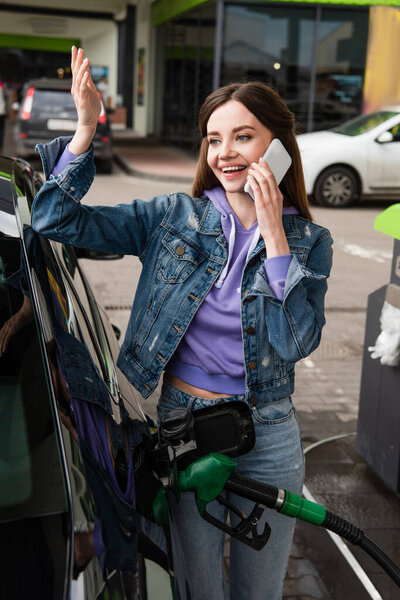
[[177, 259], [301, 253]]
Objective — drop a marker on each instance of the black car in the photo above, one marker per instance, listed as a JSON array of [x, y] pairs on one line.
[[47, 111], [57, 358]]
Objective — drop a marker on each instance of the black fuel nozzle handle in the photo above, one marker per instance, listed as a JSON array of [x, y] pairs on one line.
[[258, 492], [246, 531], [177, 426]]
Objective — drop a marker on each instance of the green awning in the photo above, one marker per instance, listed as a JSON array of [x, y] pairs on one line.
[[164, 10], [33, 42]]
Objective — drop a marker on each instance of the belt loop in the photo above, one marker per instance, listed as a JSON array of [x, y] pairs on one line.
[[191, 402]]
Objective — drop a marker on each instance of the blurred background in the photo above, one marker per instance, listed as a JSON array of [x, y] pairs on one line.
[[155, 62]]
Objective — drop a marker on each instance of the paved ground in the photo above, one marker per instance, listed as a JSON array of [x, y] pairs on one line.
[[327, 383]]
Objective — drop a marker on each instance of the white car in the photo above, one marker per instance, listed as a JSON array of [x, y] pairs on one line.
[[360, 158]]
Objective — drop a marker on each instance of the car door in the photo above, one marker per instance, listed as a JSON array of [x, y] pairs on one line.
[[107, 345], [58, 307], [69, 310], [35, 509], [383, 161]]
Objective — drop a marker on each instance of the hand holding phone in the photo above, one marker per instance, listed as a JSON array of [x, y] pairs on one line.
[[278, 159]]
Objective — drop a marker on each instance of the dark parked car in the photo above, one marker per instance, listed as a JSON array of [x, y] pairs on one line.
[[58, 377], [47, 111]]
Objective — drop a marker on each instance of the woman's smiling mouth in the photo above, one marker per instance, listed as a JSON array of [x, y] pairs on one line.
[[233, 171]]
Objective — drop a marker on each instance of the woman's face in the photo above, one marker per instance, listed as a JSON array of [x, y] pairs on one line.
[[236, 138]]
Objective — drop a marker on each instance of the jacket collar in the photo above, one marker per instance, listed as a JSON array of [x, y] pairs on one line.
[[211, 221]]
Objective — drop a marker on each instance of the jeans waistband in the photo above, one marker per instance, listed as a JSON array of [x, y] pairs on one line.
[[181, 398]]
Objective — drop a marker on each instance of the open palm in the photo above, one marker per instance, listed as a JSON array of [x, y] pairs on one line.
[[83, 90]]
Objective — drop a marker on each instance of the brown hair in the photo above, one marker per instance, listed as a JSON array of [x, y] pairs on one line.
[[272, 112]]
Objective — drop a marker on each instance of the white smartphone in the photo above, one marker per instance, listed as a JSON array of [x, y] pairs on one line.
[[278, 159]]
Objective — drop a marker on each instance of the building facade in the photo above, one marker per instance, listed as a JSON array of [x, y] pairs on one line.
[[329, 60], [315, 54]]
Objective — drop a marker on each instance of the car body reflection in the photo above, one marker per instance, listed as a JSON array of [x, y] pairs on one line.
[[70, 421]]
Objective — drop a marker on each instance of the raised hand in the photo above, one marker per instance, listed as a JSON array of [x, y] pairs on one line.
[[87, 102]]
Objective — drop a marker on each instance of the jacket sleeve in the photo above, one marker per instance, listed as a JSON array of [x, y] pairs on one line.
[[294, 324], [57, 212]]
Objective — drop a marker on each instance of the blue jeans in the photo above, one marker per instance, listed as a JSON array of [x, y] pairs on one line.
[[277, 459]]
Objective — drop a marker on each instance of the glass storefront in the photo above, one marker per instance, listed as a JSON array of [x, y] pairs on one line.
[[273, 44], [340, 64], [188, 54], [313, 55]]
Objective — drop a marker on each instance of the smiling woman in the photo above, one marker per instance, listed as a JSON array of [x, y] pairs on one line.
[[230, 297]]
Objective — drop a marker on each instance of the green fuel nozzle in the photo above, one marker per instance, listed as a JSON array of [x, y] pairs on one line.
[[209, 475], [206, 477]]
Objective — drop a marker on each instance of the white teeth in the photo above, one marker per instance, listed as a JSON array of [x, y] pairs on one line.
[[225, 169]]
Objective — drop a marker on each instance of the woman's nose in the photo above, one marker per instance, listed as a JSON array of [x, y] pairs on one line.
[[226, 150]]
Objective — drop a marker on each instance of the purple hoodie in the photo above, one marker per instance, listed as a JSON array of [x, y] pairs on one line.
[[210, 356]]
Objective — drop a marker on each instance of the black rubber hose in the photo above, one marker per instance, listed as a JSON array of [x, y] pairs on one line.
[[357, 537], [346, 530], [381, 558]]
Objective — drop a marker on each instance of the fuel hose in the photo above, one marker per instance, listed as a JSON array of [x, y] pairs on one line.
[[293, 505]]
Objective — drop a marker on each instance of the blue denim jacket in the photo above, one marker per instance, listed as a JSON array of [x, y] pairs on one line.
[[180, 243]]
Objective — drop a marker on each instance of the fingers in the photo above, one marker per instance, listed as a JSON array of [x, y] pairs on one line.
[[79, 65], [82, 74], [74, 53], [77, 57], [263, 182]]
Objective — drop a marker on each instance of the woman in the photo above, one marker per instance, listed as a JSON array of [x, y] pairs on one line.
[[231, 295]]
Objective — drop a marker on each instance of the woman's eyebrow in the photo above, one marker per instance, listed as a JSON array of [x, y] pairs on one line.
[[235, 130]]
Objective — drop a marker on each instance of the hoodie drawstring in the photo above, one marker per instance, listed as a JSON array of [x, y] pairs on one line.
[[231, 245], [220, 281]]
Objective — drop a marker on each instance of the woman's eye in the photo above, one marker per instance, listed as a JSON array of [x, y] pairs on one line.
[[243, 137], [213, 141]]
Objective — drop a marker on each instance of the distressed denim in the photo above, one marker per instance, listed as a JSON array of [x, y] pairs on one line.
[[180, 243], [277, 459]]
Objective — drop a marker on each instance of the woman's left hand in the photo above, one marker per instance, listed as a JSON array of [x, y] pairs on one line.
[[268, 202]]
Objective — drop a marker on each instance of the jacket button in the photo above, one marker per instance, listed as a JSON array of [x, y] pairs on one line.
[[254, 400], [180, 250], [252, 365], [250, 331], [253, 262]]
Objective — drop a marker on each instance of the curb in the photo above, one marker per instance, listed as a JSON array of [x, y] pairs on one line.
[[129, 170]]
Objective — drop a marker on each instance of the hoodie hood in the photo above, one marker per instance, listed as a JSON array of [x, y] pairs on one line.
[[220, 201], [228, 221]]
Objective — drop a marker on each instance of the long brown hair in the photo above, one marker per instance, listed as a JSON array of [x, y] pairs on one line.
[[272, 112]]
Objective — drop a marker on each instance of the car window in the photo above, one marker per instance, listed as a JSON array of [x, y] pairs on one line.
[[67, 256], [395, 131], [70, 309], [52, 102], [89, 304], [31, 481], [364, 123]]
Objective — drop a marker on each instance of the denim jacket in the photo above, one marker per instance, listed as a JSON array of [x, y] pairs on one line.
[[180, 242]]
